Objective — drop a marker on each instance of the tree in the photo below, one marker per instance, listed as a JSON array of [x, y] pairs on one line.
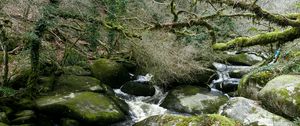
[[5, 26]]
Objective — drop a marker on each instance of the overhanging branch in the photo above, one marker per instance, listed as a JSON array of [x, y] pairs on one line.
[[262, 39]]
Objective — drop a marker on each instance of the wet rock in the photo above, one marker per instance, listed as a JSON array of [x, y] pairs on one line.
[[193, 100], [281, 95], [24, 117], [45, 84], [249, 112], [244, 59], [110, 72], [88, 107], [138, 88], [73, 83], [176, 120], [25, 103], [253, 82], [75, 70]]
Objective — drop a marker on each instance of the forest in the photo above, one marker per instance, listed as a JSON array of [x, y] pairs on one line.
[[150, 62]]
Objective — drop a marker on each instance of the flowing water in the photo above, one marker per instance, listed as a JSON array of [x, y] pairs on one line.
[[141, 107]]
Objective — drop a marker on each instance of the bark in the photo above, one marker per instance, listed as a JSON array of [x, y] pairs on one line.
[[259, 12], [261, 39]]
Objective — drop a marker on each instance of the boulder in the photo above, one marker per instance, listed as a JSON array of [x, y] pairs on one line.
[[88, 107], [244, 59], [3, 117], [253, 82], [138, 88], [281, 95], [110, 72], [193, 100], [73, 83], [249, 112], [69, 122], [176, 120], [24, 117], [3, 124], [75, 70]]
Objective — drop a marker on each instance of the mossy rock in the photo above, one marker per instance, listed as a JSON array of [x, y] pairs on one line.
[[243, 59], [76, 70], [176, 120], [110, 72], [73, 83], [3, 117], [193, 100], [3, 124], [69, 122], [281, 95], [253, 82], [24, 117], [138, 88], [250, 113], [88, 107]]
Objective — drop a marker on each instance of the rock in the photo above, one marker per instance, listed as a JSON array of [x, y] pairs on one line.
[[24, 117], [25, 103], [253, 82], [249, 112], [88, 107], [244, 59], [3, 124], [3, 117], [138, 88], [110, 72], [281, 95], [69, 122], [75, 70], [73, 83], [193, 100], [176, 120]]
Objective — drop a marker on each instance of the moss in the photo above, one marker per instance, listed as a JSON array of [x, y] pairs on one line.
[[242, 59], [253, 82], [110, 72], [91, 108], [3, 124], [262, 39], [281, 96], [172, 120], [73, 83]]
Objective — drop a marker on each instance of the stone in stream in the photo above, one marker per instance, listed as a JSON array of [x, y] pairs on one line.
[[3, 124], [138, 88], [176, 120], [253, 82], [193, 100], [110, 72], [281, 95], [244, 59], [249, 112], [87, 107]]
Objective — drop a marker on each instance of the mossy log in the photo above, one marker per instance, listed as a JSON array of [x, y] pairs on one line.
[[261, 39]]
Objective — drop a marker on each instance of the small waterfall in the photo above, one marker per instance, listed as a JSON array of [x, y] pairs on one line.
[[141, 107], [224, 82]]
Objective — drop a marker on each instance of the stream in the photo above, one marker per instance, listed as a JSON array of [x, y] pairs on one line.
[[142, 107]]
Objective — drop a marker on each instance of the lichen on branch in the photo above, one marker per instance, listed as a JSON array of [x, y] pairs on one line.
[[261, 39]]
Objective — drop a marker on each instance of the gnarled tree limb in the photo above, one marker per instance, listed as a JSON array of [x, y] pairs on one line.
[[259, 12], [262, 39]]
